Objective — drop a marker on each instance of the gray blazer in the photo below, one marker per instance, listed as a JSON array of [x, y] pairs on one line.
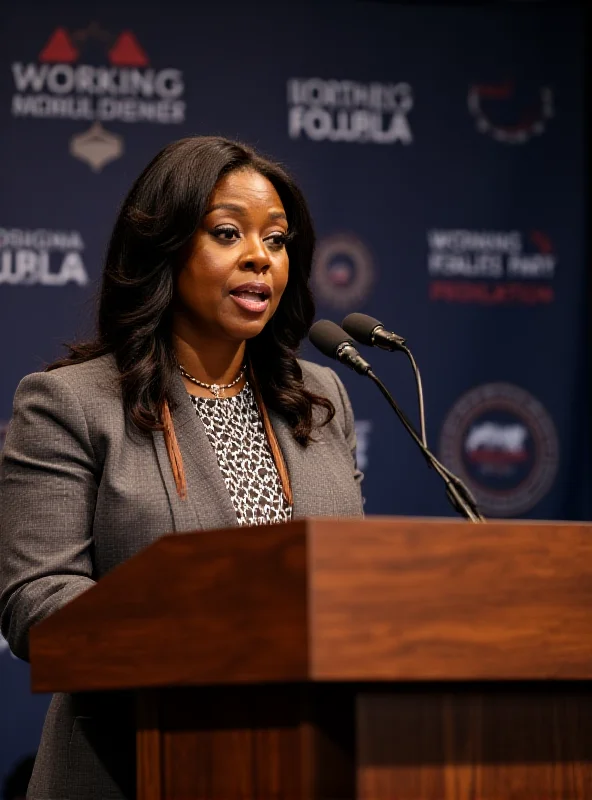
[[81, 492]]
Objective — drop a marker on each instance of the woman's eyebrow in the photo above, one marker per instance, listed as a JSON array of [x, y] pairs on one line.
[[238, 209], [227, 207]]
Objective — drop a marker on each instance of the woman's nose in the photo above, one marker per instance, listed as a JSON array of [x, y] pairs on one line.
[[256, 257]]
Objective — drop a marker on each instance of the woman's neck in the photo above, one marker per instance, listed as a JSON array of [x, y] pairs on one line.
[[218, 361]]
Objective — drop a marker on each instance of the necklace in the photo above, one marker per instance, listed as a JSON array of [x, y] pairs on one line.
[[216, 389]]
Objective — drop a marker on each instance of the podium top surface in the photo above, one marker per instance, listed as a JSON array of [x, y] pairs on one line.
[[383, 599]]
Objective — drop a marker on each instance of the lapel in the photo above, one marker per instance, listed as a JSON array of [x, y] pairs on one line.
[[314, 475], [311, 472], [208, 503]]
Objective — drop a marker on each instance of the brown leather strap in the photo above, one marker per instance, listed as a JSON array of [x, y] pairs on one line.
[[173, 451], [176, 459]]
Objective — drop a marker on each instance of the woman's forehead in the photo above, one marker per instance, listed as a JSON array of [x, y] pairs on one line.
[[244, 189]]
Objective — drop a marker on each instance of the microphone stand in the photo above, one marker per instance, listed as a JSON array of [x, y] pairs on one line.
[[422, 422], [457, 493]]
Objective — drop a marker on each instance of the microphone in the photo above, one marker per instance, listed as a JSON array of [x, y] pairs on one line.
[[371, 331], [334, 342], [368, 330]]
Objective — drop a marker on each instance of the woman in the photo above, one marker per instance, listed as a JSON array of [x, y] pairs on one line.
[[189, 410]]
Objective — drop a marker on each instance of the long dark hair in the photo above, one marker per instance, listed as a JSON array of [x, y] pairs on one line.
[[157, 221]]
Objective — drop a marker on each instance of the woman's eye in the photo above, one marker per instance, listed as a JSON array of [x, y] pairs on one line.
[[277, 240], [226, 233]]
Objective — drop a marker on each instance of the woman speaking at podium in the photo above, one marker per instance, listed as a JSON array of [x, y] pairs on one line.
[[188, 411]]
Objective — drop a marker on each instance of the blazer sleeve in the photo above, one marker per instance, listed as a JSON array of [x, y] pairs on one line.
[[349, 428], [48, 488]]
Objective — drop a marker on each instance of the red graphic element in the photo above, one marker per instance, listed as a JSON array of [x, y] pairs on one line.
[[500, 91], [542, 242], [127, 52], [495, 457], [491, 294], [59, 48]]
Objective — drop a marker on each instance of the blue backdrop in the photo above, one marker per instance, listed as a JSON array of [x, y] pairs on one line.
[[442, 152]]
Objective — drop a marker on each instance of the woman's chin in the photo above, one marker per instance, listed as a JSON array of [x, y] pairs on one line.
[[246, 330]]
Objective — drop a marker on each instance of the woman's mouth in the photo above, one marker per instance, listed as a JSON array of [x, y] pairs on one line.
[[252, 297]]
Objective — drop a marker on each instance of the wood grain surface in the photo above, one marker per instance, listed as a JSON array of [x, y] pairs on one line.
[[149, 755], [216, 607], [494, 743], [402, 599], [254, 743], [342, 600]]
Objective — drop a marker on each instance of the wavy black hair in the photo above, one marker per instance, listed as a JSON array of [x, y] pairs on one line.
[[155, 225]]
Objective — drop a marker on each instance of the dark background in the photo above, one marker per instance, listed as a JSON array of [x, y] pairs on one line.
[[236, 60]]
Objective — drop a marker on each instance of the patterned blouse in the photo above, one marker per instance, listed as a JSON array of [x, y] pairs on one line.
[[235, 430]]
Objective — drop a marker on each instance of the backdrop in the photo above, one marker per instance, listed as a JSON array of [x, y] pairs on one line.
[[442, 152]]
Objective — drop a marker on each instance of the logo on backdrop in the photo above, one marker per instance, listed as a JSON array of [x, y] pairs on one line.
[[342, 271], [122, 87], [363, 430], [49, 258], [502, 442], [509, 116], [349, 111], [491, 267]]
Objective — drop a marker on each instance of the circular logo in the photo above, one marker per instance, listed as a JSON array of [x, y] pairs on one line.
[[501, 441], [529, 120], [343, 272]]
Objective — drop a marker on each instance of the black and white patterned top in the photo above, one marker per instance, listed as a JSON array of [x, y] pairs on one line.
[[235, 430]]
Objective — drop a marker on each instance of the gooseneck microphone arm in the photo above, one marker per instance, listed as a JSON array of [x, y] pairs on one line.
[[371, 331], [333, 342], [419, 388], [458, 494]]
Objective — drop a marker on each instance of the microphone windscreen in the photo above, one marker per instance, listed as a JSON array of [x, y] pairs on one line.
[[360, 326], [327, 336]]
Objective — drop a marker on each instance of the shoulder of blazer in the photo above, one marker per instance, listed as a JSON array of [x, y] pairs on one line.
[[98, 375], [318, 379], [91, 388], [325, 382]]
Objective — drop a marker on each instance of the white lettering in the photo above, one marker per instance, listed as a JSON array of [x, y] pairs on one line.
[[467, 265], [63, 79], [363, 430], [394, 97], [487, 254], [399, 131], [41, 239], [60, 79], [533, 266], [460, 240], [26, 267], [72, 269], [168, 84], [131, 110], [44, 106], [320, 124], [26, 257], [349, 111], [48, 107], [30, 76]]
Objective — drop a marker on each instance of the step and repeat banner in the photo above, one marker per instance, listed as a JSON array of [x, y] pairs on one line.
[[442, 153]]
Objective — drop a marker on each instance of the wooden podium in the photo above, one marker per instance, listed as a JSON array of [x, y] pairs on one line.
[[405, 659]]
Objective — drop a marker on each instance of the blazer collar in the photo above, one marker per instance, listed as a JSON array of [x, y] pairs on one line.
[[208, 503]]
